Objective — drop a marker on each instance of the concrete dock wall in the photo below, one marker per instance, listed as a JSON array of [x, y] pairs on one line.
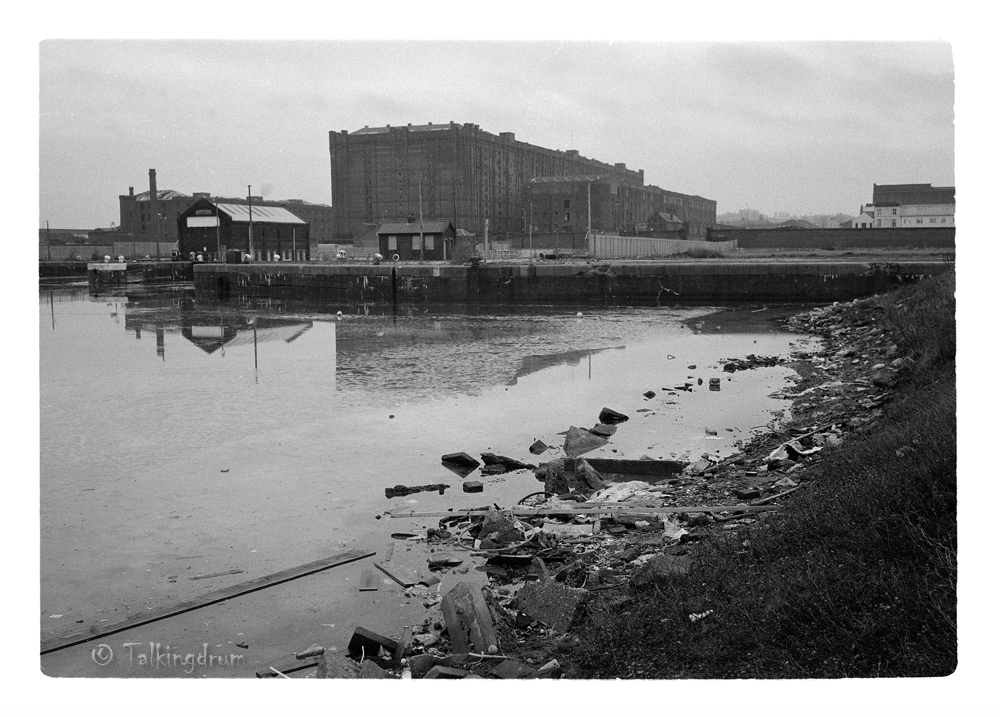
[[102, 276], [605, 283], [878, 238]]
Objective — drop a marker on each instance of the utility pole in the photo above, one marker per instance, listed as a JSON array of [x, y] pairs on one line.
[[588, 214], [531, 214], [48, 241], [420, 211], [250, 231]]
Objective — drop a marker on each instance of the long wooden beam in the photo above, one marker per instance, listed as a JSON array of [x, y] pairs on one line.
[[612, 508], [216, 596]]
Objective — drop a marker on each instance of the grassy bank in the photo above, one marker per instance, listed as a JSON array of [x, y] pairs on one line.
[[856, 577]]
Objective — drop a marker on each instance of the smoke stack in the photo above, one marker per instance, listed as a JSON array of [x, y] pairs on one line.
[[154, 198]]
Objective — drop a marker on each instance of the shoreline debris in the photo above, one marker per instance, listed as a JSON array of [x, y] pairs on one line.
[[399, 491]]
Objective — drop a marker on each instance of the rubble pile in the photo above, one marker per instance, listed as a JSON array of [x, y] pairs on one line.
[[586, 531]]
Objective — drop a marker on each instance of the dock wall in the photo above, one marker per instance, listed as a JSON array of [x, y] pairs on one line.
[[605, 283]]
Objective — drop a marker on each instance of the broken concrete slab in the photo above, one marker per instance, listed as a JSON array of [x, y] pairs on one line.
[[366, 642], [469, 620], [508, 464], [662, 567], [570, 475], [472, 486], [537, 448], [460, 459], [604, 431], [550, 603], [511, 670], [420, 664], [579, 441], [336, 667], [371, 671], [439, 561], [608, 415], [440, 672], [500, 528], [403, 576]]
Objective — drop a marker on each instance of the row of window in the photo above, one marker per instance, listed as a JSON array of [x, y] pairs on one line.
[[918, 220], [393, 243]]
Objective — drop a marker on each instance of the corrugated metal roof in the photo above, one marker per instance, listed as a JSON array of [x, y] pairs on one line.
[[430, 227], [272, 215]]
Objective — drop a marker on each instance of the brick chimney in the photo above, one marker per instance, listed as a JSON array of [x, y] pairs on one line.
[[154, 201]]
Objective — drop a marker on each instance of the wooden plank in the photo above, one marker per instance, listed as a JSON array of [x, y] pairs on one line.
[[211, 598], [612, 508], [403, 576], [288, 668], [764, 501]]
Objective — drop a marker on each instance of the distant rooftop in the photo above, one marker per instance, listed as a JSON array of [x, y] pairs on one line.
[[161, 194], [888, 195], [274, 215], [411, 127]]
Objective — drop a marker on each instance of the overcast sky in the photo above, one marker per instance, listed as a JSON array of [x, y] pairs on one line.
[[806, 126]]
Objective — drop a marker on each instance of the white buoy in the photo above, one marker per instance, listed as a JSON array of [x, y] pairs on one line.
[[579, 314]]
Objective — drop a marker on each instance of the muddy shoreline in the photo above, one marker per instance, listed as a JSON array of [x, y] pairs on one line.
[[540, 570]]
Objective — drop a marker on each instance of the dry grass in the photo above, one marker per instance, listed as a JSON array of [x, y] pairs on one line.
[[857, 575]]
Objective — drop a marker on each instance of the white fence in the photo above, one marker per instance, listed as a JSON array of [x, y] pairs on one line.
[[506, 254], [612, 246]]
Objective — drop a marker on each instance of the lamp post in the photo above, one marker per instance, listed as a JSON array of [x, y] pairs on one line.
[[250, 230], [163, 224]]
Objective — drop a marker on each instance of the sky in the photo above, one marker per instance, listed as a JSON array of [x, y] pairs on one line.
[[804, 126]]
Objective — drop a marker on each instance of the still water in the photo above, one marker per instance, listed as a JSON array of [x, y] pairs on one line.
[[184, 437]]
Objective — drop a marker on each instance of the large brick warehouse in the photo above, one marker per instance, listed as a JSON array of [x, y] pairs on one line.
[[479, 180]]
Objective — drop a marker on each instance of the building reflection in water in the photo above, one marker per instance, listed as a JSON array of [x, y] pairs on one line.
[[405, 350], [209, 328]]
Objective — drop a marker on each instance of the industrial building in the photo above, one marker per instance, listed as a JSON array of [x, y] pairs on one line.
[[151, 216], [410, 240], [488, 184], [221, 231], [911, 206]]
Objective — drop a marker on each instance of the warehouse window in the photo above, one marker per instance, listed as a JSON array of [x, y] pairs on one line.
[[429, 242], [416, 242], [392, 243]]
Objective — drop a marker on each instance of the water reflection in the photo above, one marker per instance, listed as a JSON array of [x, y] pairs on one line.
[[410, 351]]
